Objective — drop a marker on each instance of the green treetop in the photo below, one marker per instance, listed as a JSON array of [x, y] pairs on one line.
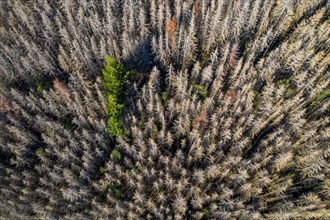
[[114, 79]]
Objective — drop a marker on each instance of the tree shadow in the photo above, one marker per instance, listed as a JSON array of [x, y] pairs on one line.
[[141, 61]]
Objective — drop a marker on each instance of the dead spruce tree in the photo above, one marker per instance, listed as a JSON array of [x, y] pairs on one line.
[[226, 114]]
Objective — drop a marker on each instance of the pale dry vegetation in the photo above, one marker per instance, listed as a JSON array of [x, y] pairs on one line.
[[225, 114]]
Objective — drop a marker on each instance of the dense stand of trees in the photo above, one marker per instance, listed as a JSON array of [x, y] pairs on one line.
[[225, 113]]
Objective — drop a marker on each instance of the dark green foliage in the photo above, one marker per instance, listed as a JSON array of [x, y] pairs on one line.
[[225, 115], [205, 57], [206, 212], [289, 90], [290, 175], [116, 155], [117, 193], [114, 111], [114, 79], [154, 128], [102, 170], [49, 132], [140, 124], [244, 42], [40, 152], [164, 97], [256, 98], [43, 85], [201, 90], [320, 97]]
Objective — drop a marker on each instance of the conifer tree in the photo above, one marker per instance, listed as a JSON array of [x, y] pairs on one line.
[[223, 114]]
